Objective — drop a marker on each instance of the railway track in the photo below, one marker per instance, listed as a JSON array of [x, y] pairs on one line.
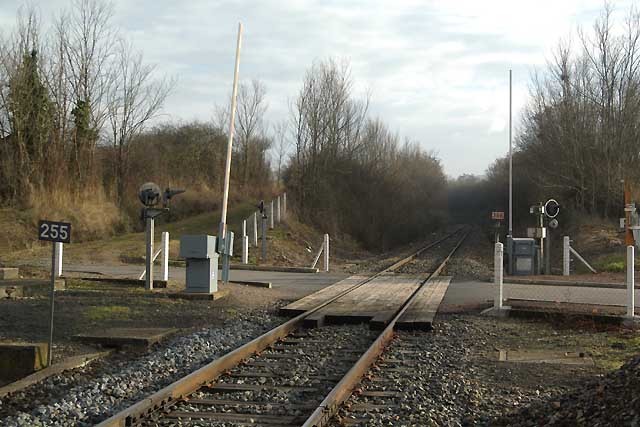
[[291, 375]]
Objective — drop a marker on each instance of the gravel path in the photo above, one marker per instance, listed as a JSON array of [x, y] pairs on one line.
[[88, 395]]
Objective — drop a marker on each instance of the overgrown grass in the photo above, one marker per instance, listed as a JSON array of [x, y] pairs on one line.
[[108, 312], [613, 263], [619, 349]]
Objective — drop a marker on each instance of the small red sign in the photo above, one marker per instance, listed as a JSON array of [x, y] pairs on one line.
[[497, 215]]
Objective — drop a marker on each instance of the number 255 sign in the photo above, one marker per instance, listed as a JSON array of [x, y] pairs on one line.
[[54, 231]]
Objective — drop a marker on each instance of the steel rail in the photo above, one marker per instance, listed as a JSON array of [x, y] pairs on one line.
[[205, 375], [342, 391]]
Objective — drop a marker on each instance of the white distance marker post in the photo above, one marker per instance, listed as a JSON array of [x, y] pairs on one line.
[[59, 250], [55, 232]]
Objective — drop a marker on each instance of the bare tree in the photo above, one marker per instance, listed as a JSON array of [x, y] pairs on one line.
[[134, 99], [281, 147]]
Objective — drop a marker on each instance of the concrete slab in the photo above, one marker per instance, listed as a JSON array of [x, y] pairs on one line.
[[252, 283], [159, 284], [275, 268], [544, 356], [17, 360], [126, 337], [17, 288], [9, 273], [70, 363], [223, 293]]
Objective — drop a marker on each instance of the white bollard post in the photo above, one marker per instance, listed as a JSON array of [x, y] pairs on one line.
[[278, 213], [497, 275], [271, 225], [165, 255], [284, 205], [58, 250], [630, 282], [244, 227], [566, 256], [245, 249], [149, 255], [326, 253], [255, 229]]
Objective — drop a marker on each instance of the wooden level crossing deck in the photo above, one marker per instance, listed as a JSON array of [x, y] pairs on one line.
[[317, 298], [423, 309], [376, 301]]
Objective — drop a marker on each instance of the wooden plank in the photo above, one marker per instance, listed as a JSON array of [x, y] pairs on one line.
[[316, 298], [378, 301], [388, 309], [422, 311]]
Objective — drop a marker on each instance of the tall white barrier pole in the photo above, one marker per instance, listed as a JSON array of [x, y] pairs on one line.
[[278, 213], [326, 253], [165, 255], [271, 225], [58, 252], [245, 249], [566, 256], [630, 282], [244, 227], [255, 229], [497, 275]]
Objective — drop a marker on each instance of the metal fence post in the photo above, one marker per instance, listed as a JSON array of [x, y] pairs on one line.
[[165, 256], [566, 256], [497, 275], [630, 281], [58, 250], [326, 253]]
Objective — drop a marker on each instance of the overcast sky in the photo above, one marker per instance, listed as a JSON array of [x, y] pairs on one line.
[[437, 71]]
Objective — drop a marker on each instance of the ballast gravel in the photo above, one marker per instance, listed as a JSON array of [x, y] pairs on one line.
[[448, 377], [86, 396]]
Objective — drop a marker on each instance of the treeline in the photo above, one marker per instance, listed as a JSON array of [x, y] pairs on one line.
[[65, 91], [79, 131], [76, 104], [350, 173], [580, 132]]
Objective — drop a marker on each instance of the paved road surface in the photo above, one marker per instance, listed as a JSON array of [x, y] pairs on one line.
[[295, 284]]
